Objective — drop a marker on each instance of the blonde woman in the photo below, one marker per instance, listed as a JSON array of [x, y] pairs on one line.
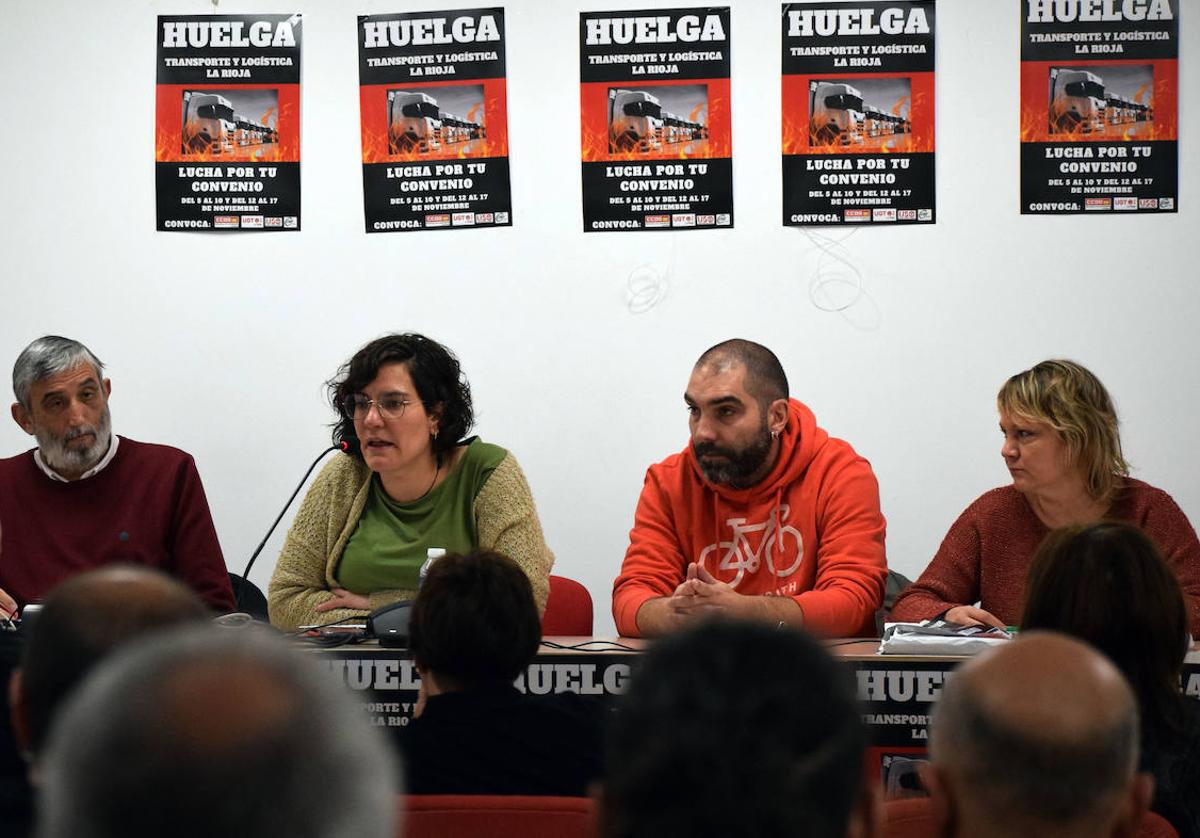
[[1063, 450]]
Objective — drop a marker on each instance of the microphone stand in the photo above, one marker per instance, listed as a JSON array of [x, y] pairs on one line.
[[249, 598]]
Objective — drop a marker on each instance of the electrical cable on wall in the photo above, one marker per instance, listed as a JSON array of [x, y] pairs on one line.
[[646, 286], [835, 274]]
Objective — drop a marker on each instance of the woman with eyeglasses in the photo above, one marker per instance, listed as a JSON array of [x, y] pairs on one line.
[[417, 482]]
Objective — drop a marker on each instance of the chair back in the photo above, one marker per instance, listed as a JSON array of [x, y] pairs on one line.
[[249, 598], [496, 816], [913, 818], [1155, 825], [568, 609]]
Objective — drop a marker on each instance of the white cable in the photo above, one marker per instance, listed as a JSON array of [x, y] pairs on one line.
[[646, 286], [835, 274]]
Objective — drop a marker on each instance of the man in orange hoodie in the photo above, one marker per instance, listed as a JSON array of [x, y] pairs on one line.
[[763, 516]]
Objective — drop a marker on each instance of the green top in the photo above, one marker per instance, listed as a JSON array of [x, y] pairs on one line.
[[389, 543]]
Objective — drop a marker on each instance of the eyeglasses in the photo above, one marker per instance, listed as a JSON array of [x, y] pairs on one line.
[[389, 407]]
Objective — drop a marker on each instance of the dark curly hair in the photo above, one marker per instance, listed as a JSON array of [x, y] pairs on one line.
[[435, 373]]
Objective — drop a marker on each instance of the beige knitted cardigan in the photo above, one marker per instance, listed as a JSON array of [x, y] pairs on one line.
[[505, 517]]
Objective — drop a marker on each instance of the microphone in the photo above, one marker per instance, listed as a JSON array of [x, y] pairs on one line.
[[347, 445]]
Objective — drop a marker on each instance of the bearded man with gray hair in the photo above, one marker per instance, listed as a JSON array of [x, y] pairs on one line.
[[84, 497]]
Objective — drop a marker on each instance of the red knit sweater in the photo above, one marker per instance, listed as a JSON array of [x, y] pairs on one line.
[[986, 555], [146, 507]]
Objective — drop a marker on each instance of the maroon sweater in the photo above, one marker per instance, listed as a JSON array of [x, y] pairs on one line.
[[985, 556], [146, 507]]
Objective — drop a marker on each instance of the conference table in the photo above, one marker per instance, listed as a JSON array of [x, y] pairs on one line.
[[897, 691]]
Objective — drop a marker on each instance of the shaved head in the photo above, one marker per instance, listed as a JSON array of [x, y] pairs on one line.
[[765, 378]]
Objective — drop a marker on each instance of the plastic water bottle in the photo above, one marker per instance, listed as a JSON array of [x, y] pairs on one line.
[[431, 556]]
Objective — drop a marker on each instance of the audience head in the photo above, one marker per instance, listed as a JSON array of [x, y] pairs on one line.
[[737, 729], [436, 375], [206, 731], [83, 620], [1071, 400], [474, 622], [1039, 737], [1107, 584], [62, 400]]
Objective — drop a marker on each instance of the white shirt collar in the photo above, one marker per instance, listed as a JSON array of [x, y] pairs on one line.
[[94, 470]]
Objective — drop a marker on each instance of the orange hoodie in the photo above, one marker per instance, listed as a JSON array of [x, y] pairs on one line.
[[811, 529]]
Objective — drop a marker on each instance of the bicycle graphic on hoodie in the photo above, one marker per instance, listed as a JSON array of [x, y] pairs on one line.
[[739, 556]]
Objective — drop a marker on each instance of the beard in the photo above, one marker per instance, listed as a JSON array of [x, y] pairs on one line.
[[740, 467], [60, 456]]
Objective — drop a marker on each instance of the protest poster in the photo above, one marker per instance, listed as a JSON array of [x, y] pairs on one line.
[[227, 122], [434, 114], [656, 145], [858, 113], [1099, 106]]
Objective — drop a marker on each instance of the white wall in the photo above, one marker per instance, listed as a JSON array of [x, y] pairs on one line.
[[585, 391]]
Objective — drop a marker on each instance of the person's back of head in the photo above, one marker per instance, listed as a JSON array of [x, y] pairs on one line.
[[1108, 585], [1039, 737], [83, 620], [206, 731], [474, 622], [737, 729]]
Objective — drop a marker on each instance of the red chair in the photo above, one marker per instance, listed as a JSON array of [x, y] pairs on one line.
[[496, 816], [1155, 825], [913, 818], [568, 609]]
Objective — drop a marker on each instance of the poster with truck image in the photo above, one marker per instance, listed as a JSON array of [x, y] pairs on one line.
[[858, 113], [227, 122], [1099, 106], [655, 122], [434, 114]]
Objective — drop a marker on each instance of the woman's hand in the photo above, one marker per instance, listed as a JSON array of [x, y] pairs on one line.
[[969, 615], [341, 598], [8, 606]]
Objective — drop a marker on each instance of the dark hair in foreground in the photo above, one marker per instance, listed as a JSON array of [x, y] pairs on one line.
[[765, 378], [1108, 585], [474, 622], [84, 620], [734, 729], [212, 731], [435, 373]]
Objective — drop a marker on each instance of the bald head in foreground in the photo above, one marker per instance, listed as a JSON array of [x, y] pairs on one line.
[[1039, 738], [85, 619], [208, 731]]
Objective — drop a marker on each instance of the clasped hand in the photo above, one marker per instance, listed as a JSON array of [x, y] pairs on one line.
[[702, 594]]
